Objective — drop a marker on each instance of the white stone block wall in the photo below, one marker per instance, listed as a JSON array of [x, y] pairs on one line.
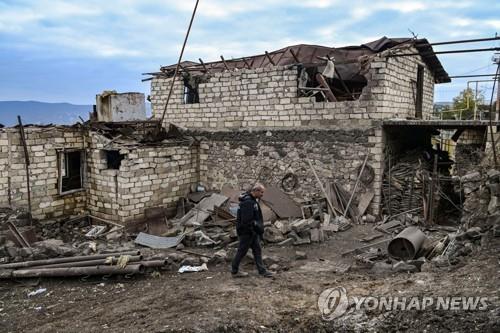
[[148, 177], [267, 97], [43, 145]]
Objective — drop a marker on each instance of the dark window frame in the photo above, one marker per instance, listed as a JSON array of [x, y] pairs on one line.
[[63, 160]]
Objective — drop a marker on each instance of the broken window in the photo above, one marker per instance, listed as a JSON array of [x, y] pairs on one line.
[[331, 82], [71, 170], [191, 89], [420, 92], [114, 159]]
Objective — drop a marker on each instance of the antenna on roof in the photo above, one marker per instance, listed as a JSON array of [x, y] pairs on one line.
[[415, 36]]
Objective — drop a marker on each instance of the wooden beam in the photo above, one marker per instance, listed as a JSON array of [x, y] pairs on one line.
[[203, 64], [269, 58], [224, 62]]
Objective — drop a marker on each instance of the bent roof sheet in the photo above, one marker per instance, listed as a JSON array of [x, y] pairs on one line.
[[346, 58]]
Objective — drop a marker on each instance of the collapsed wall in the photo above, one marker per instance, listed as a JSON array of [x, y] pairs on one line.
[[56, 184]]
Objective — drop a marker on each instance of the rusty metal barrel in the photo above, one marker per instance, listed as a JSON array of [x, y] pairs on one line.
[[406, 244]]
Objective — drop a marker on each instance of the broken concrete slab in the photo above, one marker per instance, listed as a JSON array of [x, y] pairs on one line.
[[304, 224], [200, 212], [283, 226], [273, 235]]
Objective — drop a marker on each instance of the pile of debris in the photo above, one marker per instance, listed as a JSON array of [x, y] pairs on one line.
[[419, 247]]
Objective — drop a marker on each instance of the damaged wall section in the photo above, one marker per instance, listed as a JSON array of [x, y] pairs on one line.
[[44, 145], [148, 176], [267, 97], [241, 158]]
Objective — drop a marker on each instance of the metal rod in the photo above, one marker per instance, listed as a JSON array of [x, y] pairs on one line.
[[490, 120], [444, 52], [177, 67], [466, 41], [465, 76], [26, 164]]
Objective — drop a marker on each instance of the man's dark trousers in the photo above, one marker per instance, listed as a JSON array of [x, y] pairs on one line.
[[247, 241]]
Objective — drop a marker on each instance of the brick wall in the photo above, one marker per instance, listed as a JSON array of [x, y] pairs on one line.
[[43, 146], [147, 177], [267, 97]]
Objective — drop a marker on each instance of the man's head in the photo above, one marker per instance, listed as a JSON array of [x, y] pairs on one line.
[[257, 191]]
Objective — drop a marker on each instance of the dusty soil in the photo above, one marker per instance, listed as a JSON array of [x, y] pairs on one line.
[[214, 302]]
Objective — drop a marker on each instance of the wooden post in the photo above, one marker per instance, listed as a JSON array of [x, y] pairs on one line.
[[203, 64], [26, 164], [224, 62]]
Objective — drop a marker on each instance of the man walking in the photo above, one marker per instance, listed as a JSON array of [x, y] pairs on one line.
[[250, 228]]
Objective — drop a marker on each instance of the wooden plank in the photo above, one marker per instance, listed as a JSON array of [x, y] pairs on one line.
[[322, 188], [323, 84], [364, 202]]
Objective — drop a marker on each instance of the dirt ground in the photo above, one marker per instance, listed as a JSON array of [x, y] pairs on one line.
[[212, 301]]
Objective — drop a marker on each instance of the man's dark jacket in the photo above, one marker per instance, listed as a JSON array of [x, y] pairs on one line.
[[249, 219]]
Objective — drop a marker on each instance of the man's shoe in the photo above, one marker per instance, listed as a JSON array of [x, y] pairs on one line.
[[239, 274], [267, 274]]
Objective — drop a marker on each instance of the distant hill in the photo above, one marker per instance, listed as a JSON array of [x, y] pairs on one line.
[[33, 112]]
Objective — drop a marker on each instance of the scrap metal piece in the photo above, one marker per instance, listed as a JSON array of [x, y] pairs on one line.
[[157, 242], [406, 244]]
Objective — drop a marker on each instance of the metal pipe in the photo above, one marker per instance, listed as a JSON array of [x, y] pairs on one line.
[[406, 244], [94, 262], [465, 76], [73, 271], [32, 263], [153, 263], [466, 41], [177, 67], [444, 52]]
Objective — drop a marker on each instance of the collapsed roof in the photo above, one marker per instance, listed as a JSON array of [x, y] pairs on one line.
[[350, 61]]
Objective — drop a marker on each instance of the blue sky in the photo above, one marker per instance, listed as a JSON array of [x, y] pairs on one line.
[[68, 51]]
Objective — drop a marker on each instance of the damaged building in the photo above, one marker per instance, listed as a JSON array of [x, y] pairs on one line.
[[262, 117], [258, 118]]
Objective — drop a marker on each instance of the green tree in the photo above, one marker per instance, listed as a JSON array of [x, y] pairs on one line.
[[464, 104]]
